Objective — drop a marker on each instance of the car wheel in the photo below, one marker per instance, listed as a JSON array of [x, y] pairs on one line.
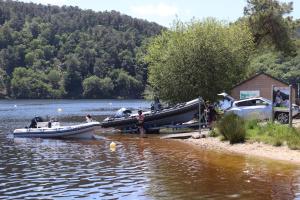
[[283, 118]]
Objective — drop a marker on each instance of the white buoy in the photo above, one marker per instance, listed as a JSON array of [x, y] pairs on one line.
[[15, 106], [59, 110]]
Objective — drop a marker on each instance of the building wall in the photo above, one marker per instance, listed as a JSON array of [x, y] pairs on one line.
[[263, 83]]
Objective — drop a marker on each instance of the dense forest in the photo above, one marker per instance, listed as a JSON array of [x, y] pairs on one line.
[[66, 52]]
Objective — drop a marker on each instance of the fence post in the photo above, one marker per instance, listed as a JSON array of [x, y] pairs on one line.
[[290, 106], [200, 114], [272, 103]]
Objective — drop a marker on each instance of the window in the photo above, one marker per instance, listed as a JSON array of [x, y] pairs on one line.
[[246, 103], [261, 102], [254, 102]]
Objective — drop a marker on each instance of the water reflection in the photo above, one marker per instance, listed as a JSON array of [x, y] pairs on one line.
[[147, 168], [138, 169], [183, 172]]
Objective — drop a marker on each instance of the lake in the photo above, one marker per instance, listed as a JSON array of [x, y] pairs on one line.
[[148, 168]]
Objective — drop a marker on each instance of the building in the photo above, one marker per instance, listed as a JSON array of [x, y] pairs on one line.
[[259, 85]]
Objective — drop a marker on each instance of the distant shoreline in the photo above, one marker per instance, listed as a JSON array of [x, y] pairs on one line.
[[257, 149], [74, 99]]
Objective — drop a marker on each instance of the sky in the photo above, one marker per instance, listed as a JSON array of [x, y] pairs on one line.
[[164, 12]]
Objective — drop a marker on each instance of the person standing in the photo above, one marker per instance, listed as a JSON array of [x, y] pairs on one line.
[[140, 124], [211, 114], [156, 106]]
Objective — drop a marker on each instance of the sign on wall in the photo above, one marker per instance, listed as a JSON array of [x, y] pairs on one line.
[[245, 94]]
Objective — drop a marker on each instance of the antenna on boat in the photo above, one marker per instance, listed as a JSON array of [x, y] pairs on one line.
[[110, 105], [15, 107], [200, 114], [59, 110]]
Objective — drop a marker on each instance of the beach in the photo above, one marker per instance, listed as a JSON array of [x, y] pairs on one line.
[[281, 153]]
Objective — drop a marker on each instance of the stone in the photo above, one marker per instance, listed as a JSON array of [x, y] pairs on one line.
[[196, 136]]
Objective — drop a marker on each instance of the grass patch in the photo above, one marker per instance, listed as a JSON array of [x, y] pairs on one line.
[[214, 133], [251, 124], [274, 134], [235, 129]]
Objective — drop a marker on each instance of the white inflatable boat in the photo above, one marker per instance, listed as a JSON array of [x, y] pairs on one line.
[[43, 130]]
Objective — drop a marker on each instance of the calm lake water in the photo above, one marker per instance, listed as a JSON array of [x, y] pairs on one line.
[[147, 168]]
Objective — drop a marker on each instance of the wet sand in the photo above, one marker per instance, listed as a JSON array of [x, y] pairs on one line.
[[282, 153]]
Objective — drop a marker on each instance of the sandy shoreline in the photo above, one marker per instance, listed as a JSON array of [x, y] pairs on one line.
[[282, 153]]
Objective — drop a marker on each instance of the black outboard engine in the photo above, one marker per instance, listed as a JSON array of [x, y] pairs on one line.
[[34, 122]]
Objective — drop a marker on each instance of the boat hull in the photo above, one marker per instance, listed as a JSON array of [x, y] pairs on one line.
[[172, 116], [85, 131]]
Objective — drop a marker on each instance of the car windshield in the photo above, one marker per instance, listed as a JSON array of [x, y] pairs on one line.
[[253, 102]]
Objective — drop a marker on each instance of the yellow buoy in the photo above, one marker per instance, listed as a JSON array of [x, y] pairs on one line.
[[113, 149], [112, 145]]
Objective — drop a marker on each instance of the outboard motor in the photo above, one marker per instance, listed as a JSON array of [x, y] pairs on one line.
[[156, 105], [34, 122], [123, 112]]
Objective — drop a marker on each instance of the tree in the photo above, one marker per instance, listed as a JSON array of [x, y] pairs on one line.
[[95, 87], [201, 58], [268, 24], [28, 84], [3, 79], [54, 78], [72, 84], [72, 78], [126, 85], [276, 64]]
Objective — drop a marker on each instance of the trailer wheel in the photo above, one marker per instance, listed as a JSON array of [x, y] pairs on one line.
[[282, 117]]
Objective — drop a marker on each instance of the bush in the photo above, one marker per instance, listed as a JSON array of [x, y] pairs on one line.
[[232, 128]]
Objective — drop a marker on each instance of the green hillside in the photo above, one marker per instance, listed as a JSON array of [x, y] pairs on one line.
[[66, 52]]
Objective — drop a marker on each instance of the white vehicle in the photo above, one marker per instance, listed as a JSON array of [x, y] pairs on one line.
[[261, 109]]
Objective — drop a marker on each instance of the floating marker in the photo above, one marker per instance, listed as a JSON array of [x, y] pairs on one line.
[[113, 149], [59, 110], [112, 145], [15, 106]]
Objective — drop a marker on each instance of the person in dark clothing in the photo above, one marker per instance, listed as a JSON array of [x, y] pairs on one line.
[[156, 106], [202, 114], [34, 122], [211, 114], [140, 124]]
